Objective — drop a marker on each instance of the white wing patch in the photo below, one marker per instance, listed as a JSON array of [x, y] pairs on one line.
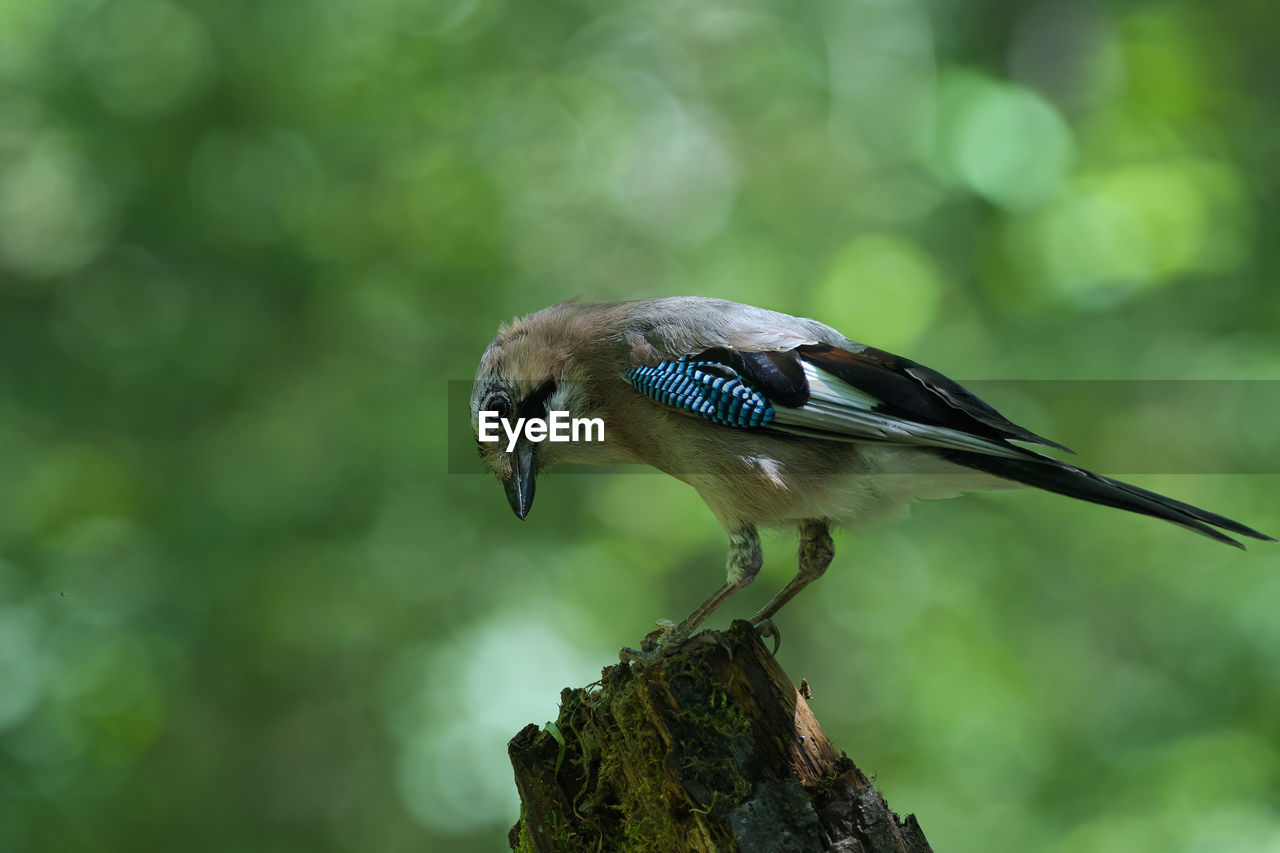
[[837, 409]]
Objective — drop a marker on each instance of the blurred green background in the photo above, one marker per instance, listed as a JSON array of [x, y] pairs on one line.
[[245, 246]]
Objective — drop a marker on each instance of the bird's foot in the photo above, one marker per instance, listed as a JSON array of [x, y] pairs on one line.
[[668, 637], [768, 631], [656, 644]]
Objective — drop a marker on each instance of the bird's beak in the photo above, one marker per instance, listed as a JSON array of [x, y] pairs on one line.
[[519, 485]]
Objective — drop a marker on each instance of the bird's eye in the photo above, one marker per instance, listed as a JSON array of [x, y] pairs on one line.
[[497, 402]]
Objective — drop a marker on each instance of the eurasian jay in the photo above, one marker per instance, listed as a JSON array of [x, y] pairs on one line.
[[775, 420]]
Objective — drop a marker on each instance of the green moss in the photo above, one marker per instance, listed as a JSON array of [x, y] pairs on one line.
[[614, 765], [524, 841]]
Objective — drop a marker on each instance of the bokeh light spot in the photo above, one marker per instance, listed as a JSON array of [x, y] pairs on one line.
[[1114, 233], [1002, 141], [53, 208], [22, 666], [881, 287], [673, 177], [145, 56], [453, 771]]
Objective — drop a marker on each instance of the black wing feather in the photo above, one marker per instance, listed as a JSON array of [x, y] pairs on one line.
[[777, 375], [899, 383], [1060, 478]]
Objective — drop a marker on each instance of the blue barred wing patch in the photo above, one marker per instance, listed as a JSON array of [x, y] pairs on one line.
[[704, 389]]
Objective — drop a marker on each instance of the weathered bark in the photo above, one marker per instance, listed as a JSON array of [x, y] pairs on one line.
[[710, 749]]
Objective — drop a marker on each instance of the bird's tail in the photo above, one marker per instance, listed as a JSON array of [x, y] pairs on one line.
[[1054, 476]]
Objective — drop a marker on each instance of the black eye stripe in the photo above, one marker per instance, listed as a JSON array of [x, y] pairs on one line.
[[535, 405]]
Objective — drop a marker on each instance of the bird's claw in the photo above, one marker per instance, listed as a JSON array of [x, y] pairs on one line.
[[767, 630], [656, 644], [668, 637]]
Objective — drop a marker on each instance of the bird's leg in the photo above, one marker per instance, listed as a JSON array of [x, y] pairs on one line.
[[745, 559], [816, 551]]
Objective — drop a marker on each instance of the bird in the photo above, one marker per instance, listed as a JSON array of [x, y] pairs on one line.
[[776, 421]]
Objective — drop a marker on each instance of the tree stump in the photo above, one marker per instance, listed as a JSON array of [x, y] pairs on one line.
[[709, 749]]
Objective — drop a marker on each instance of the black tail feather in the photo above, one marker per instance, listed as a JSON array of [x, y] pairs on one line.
[[1054, 476]]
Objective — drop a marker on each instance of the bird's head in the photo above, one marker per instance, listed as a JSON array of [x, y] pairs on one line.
[[528, 374]]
